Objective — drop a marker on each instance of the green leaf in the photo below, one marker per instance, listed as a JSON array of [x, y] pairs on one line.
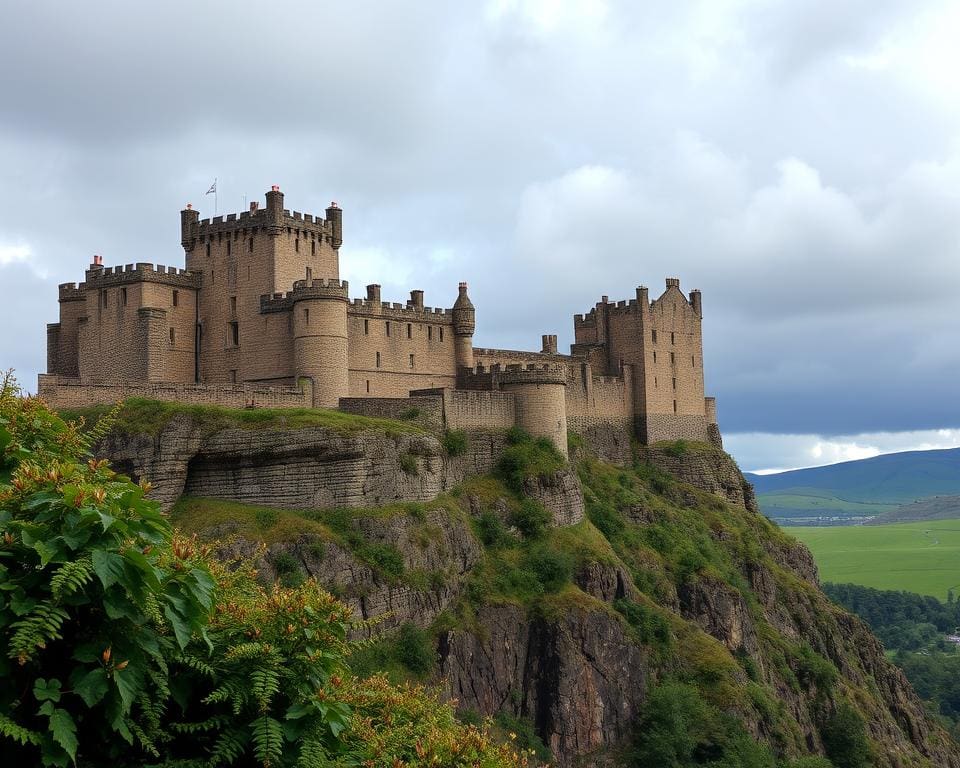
[[46, 690], [106, 520], [128, 686], [181, 628], [137, 559], [92, 687], [108, 566], [46, 552], [64, 732]]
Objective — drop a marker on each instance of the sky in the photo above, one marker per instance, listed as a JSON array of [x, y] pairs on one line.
[[798, 161]]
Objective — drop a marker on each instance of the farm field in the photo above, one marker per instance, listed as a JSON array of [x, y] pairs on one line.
[[918, 557]]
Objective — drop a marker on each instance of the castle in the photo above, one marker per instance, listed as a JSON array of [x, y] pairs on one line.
[[260, 317]]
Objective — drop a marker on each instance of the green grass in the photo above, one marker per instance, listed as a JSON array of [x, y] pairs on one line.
[[917, 557], [139, 415]]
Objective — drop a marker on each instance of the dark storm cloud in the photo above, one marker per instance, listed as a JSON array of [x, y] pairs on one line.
[[797, 161]]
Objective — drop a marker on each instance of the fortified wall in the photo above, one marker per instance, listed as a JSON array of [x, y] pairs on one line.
[[260, 318]]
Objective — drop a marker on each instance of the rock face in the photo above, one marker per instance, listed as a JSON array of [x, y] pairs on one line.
[[705, 467], [560, 494]]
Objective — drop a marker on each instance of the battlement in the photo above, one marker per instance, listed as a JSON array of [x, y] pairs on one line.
[[532, 374], [409, 312], [316, 288], [71, 292], [105, 277]]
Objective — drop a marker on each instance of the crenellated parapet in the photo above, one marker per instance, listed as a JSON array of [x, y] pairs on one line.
[[98, 277], [316, 288], [71, 292]]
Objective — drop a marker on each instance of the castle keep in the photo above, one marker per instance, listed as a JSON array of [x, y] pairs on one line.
[[260, 317]]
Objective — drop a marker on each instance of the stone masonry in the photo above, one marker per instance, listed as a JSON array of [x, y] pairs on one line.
[[259, 317]]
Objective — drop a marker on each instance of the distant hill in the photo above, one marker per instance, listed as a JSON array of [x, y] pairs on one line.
[[937, 508], [855, 491]]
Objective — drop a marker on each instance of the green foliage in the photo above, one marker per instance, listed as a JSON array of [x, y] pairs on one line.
[[679, 728], [409, 414], [520, 731], [491, 530], [415, 649], [813, 670], [408, 463], [530, 518], [574, 441], [677, 449], [455, 442], [552, 569], [845, 738], [527, 457], [651, 626], [385, 557], [266, 518]]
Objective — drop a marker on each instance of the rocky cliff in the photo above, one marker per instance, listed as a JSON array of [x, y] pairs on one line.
[[557, 596]]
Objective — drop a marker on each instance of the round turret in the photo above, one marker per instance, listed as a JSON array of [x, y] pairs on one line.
[[541, 401], [464, 324], [320, 339]]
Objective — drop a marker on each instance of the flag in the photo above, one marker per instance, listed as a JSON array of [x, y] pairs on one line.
[[213, 188]]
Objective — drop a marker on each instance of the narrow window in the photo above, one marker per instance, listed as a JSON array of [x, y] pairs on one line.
[[173, 337], [673, 339], [176, 298], [235, 333], [429, 333], [212, 281], [368, 386], [674, 383], [366, 327], [228, 247], [306, 316], [674, 406], [411, 361], [378, 359], [309, 274], [296, 244], [441, 334], [655, 385], [233, 305], [654, 336], [409, 331], [388, 327], [673, 358], [693, 362], [313, 247], [103, 295], [250, 245], [233, 377], [654, 355], [208, 249]]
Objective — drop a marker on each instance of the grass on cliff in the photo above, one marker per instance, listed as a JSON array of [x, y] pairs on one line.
[[142, 416]]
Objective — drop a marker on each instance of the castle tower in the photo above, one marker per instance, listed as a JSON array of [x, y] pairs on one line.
[[320, 339], [464, 324], [541, 401]]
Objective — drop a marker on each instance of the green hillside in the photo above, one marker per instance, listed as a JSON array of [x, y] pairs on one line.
[[916, 557], [937, 508], [854, 491]]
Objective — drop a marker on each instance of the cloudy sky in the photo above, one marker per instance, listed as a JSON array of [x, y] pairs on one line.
[[798, 161]]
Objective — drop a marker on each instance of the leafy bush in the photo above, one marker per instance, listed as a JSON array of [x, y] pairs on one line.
[[492, 532], [525, 457], [812, 669], [845, 738], [552, 569], [127, 645], [651, 626], [676, 449], [521, 731], [385, 557], [530, 518], [409, 414], [408, 463], [455, 442], [284, 562], [415, 649], [266, 518]]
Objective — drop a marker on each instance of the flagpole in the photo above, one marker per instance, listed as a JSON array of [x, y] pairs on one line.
[[216, 193]]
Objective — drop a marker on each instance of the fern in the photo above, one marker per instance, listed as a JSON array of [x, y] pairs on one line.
[[39, 627], [204, 726], [230, 746], [17, 732], [70, 578], [196, 664], [265, 683], [267, 740]]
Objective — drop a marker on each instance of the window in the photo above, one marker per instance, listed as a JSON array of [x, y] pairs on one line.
[[674, 383], [411, 361], [296, 244], [674, 406], [123, 296], [654, 355], [306, 316], [233, 377], [366, 327], [409, 331], [212, 281], [250, 245], [673, 339], [654, 336], [378, 359], [228, 247], [313, 247], [368, 386], [429, 333], [233, 305], [173, 337], [441, 334], [693, 361], [235, 333], [208, 249], [176, 298], [673, 358], [388, 327], [655, 385]]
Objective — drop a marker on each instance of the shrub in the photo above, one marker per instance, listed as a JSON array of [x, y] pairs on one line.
[[492, 532], [408, 463], [409, 414], [525, 457], [266, 518], [455, 442], [553, 569], [812, 669], [676, 449], [284, 562], [415, 649], [530, 518], [845, 738], [651, 627], [526, 737], [385, 557]]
